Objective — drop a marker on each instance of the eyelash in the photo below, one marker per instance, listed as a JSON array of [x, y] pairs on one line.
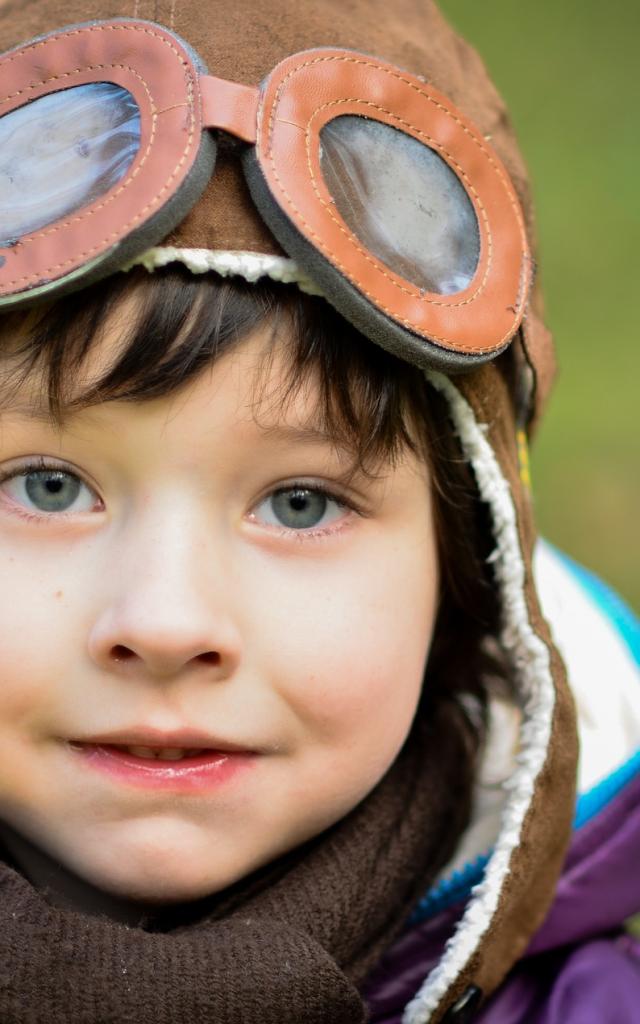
[[313, 533]]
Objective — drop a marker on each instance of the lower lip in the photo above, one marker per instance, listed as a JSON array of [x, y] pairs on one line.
[[191, 774]]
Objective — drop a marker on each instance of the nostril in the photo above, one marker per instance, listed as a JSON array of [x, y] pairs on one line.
[[210, 658], [122, 653]]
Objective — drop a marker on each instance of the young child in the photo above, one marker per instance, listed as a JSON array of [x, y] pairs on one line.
[[285, 732]]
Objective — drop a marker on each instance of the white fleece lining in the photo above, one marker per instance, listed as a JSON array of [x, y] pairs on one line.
[[536, 689], [249, 265], [529, 654]]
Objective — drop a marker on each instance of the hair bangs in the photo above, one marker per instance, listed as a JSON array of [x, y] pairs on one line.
[[170, 325]]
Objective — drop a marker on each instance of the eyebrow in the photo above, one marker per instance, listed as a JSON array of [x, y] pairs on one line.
[[306, 433], [280, 432], [309, 434], [283, 433]]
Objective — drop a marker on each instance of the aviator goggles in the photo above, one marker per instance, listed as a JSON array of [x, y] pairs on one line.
[[387, 196]]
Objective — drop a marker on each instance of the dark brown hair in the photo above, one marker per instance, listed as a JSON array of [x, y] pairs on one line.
[[368, 400]]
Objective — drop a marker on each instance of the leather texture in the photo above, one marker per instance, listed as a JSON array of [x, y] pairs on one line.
[[231, 107], [308, 90], [159, 74]]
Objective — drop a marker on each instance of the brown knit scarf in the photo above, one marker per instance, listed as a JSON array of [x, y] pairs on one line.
[[290, 944]]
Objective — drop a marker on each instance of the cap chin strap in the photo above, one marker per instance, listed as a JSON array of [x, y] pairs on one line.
[[530, 656]]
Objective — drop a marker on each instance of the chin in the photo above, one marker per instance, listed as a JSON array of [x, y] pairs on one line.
[[162, 872], [161, 878], [148, 887]]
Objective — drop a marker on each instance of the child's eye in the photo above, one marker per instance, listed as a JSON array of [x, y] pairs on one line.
[[299, 508], [47, 489]]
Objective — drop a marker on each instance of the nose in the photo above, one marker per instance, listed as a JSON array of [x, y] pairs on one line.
[[167, 608]]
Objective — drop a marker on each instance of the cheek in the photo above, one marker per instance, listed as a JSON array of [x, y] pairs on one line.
[[353, 637], [344, 645], [39, 635], [43, 628]]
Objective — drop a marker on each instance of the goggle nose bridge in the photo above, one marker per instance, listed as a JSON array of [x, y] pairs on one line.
[[230, 107]]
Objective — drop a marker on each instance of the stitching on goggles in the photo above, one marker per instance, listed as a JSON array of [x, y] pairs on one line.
[[280, 128]]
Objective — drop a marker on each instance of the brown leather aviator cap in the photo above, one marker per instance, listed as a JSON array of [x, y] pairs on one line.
[[243, 42]]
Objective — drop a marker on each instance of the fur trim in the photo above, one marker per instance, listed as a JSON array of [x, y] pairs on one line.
[[536, 690], [249, 265]]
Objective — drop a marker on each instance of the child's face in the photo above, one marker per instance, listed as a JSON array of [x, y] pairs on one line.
[[163, 587]]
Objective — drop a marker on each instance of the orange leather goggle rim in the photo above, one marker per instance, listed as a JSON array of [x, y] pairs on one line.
[[308, 90], [164, 86]]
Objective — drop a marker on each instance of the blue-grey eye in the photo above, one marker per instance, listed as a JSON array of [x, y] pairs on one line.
[[52, 490], [48, 490], [299, 508]]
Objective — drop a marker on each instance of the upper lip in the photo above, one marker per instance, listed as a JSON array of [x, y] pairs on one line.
[[186, 739]]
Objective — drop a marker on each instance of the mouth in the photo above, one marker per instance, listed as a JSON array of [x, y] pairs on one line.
[[180, 769], [148, 741], [146, 753]]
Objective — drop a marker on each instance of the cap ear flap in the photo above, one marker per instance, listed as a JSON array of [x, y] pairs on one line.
[[537, 343]]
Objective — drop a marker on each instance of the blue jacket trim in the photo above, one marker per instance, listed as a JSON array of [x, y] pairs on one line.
[[450, 890], [458, 886], [590, 804]]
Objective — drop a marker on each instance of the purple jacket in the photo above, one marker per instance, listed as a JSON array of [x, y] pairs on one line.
[[583, 965]]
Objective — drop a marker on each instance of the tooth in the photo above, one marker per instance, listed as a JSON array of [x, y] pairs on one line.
[[164, 753]]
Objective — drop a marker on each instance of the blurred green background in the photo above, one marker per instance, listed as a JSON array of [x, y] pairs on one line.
[[568, 70]]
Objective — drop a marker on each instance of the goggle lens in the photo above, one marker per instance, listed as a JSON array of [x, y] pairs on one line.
[[62, 152], [402, 201]]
